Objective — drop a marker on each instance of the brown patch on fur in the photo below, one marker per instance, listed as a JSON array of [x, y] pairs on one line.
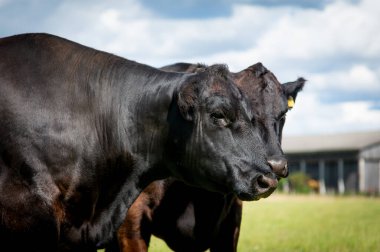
[[59, 210], [129, 234]]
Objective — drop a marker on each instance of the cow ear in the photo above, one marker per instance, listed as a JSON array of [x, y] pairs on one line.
[[188, 99], [291, 90]]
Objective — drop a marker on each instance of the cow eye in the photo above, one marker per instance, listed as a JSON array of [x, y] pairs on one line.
[[219, 119]]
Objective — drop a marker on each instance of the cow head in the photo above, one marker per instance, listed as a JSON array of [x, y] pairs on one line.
[[215, 144], [236, 131], [270, 101]]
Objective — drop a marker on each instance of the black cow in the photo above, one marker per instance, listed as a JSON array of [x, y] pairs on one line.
[[194, 219], [83, 132]]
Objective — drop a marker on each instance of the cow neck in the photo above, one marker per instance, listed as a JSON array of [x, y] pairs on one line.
[[134, 120]]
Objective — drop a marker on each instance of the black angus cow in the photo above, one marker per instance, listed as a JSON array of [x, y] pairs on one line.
[[194, 219], [83, 132]]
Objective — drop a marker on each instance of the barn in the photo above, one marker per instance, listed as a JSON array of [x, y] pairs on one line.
[[341, 163]]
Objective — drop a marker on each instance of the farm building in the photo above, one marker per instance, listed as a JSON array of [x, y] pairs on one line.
[[341, 163]]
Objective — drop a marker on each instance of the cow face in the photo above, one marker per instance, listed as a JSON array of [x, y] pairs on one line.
[[270, 102], [215, 144]]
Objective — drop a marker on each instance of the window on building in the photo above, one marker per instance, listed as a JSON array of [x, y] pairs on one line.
[[350, 174], [294, 166], [331, 176], [312, 169]]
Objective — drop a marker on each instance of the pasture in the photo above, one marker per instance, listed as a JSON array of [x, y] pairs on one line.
[[307, 223]]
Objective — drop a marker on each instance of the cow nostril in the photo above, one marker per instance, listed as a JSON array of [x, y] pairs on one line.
[[265, 182], [279, 166], [264, 185], [261, 182]]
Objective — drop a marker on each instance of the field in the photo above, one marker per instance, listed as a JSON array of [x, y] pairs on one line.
[[307, 223]]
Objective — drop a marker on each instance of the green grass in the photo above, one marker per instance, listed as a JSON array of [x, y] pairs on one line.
[[307, 223]]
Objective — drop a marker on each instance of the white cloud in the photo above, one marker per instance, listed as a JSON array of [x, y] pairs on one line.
[[311, 116], [145, 36], [340, 28], [361, 75], [307, 38], [271, 35], [360, 113], [358, 78]]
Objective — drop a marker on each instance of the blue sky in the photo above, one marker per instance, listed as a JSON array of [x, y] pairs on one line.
[[334, 44]]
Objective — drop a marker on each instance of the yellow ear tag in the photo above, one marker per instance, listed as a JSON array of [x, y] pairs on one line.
[[290, 102]]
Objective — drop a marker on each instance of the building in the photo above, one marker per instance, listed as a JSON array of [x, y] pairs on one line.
[[340, 163]]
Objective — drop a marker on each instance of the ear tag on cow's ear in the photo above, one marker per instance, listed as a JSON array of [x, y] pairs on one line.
[[290, 102]]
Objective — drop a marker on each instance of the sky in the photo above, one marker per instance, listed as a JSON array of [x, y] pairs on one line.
[[334, 44]]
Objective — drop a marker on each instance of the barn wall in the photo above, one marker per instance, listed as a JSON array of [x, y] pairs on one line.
[[372, 152], [370, 169]]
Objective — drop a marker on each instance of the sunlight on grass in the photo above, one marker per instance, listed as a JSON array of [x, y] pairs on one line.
[[311, 223], [158, 245]]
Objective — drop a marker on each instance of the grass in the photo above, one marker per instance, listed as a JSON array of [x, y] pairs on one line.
[[307, 223]]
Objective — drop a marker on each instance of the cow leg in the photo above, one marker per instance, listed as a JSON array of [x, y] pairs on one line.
[[228, 235], [131, 239], [134, 234], [129, 245]]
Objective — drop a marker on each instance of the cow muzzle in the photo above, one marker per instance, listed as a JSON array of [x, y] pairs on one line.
[[265, 184], [262, 185], [279, 166]]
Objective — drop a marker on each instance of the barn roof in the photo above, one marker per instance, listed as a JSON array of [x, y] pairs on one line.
[[334, 142]]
